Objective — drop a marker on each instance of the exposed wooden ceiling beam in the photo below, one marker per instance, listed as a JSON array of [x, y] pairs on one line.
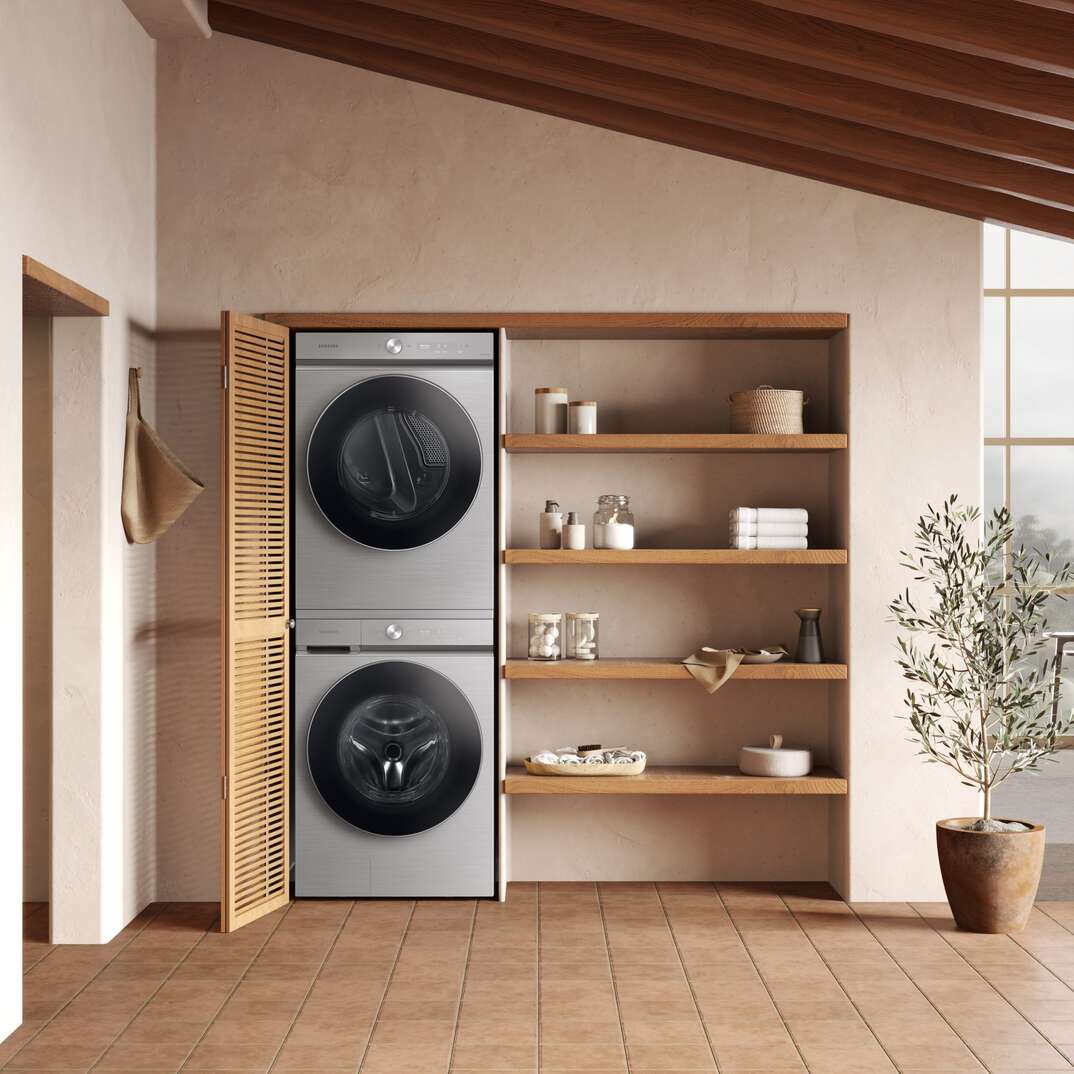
[[999, 29], [658, 93], [730, 70], [848, 50], [644, 123]]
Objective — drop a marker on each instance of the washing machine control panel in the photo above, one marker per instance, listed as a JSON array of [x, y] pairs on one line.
[[321, 347], [357, 635]]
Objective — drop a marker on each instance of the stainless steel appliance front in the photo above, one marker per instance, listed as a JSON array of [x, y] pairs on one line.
[[394, 774], [394, 485]]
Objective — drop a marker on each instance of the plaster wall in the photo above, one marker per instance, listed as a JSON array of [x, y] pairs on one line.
[[320, 187], [77, 167]]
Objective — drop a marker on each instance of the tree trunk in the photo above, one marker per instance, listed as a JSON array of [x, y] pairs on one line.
[[987, 802]]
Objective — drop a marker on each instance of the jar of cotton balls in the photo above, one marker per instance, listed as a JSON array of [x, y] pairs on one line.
[[546, 635], [582, 630]]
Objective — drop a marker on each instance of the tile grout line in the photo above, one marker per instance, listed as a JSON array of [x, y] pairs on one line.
[[1052, 917], [537, 888], [234, 988], [48, 1021], [313, 982], [51, 946], [842, 987], [1013, 1007], [1043, 965], [760, 976], [462, 986], [928, 998], [152, 995], [611, 973], [686, 974], [387, 984]]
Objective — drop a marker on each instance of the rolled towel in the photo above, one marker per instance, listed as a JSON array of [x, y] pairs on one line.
[[769, 514], [546, 758], [769, 529], [770, 542]]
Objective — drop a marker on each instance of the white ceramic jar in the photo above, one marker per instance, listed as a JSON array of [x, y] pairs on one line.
[[582, 416], [774, 760], [550, 410]]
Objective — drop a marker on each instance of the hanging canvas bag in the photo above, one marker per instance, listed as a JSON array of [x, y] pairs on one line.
[[157, 487]]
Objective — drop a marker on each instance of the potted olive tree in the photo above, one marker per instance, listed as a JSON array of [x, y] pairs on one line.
[[980, 696]]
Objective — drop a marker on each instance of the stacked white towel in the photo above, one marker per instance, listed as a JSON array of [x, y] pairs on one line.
[[768, 527]]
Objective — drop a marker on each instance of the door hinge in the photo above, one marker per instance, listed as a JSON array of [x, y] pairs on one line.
[[223, 787], [223, 377]]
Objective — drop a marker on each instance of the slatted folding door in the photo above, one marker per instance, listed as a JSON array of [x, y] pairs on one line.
[[256, 609]]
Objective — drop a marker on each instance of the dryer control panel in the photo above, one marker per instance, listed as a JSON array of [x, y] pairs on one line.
[[367, 635], [394, 346]]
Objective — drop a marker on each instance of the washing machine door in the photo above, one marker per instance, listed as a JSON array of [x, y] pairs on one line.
[[394, 462], [394, 748]]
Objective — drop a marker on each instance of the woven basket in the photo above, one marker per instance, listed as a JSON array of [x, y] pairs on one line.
[[535, 768], [776, 411]]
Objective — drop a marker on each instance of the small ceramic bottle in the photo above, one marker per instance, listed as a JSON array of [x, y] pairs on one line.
[[573, 532], [551, 525]]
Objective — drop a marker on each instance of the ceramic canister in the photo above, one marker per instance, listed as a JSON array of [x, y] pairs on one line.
[[550, 410]]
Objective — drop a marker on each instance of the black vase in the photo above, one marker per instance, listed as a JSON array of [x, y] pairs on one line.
[[810, 647]]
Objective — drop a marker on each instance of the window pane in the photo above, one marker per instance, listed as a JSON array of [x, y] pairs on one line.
[[993, 481], [1042, 366], [1042, 498], [993, 342], [1039, 261], [994, 251]]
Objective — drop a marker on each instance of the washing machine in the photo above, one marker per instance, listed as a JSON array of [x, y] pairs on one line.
[[394, 483], [394, 776]]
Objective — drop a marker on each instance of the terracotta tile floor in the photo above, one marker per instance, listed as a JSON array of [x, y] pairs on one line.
[[563, 977]]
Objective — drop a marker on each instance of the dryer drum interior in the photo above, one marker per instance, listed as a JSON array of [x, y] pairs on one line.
[[394, 462], [394, 748]]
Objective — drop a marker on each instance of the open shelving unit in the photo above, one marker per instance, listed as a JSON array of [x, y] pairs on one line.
[[828, 440], [676, 779]]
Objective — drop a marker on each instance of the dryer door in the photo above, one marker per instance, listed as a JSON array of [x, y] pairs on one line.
[[394, 462], [394, 748]]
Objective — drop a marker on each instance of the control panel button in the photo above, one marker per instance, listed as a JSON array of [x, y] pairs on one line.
[[393, 631], [393, 346]]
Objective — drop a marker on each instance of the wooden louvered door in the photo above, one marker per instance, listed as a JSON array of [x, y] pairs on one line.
[[256, 626]]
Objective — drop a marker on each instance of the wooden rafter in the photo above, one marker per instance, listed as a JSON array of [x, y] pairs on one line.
[[654, 73]]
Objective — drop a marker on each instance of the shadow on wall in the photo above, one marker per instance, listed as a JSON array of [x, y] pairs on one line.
[[187, 634], [140, 677]]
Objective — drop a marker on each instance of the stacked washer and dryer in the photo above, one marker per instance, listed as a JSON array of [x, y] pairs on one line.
[[394, 678]]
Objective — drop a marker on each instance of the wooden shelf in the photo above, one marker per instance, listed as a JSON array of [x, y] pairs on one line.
[[680, 443], [673, 557], [675, 779], [666, 669], [589, 325]]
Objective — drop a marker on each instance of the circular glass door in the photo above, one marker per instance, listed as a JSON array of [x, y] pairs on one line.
[[394, 748], [394, 462]]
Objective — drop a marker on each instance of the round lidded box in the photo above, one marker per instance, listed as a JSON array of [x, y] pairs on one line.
[[774, 760], [768, 410]]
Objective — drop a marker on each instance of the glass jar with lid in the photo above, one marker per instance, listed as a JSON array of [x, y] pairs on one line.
[[583, 629], [546, 636], [613, 522]]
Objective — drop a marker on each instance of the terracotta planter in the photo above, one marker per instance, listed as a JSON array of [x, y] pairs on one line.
[[990, 877]]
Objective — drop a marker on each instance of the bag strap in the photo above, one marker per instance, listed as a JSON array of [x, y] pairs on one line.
[[134, 395]]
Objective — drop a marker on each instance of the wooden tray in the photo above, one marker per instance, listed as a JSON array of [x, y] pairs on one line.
[[536, 769]]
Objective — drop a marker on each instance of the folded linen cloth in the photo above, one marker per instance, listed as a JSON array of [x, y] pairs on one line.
[[769, 514], [769, 529], [713, 667], [769, 542]]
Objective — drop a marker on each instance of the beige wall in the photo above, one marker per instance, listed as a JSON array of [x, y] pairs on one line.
[[77, 170], [288, 183], [36, 604]]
